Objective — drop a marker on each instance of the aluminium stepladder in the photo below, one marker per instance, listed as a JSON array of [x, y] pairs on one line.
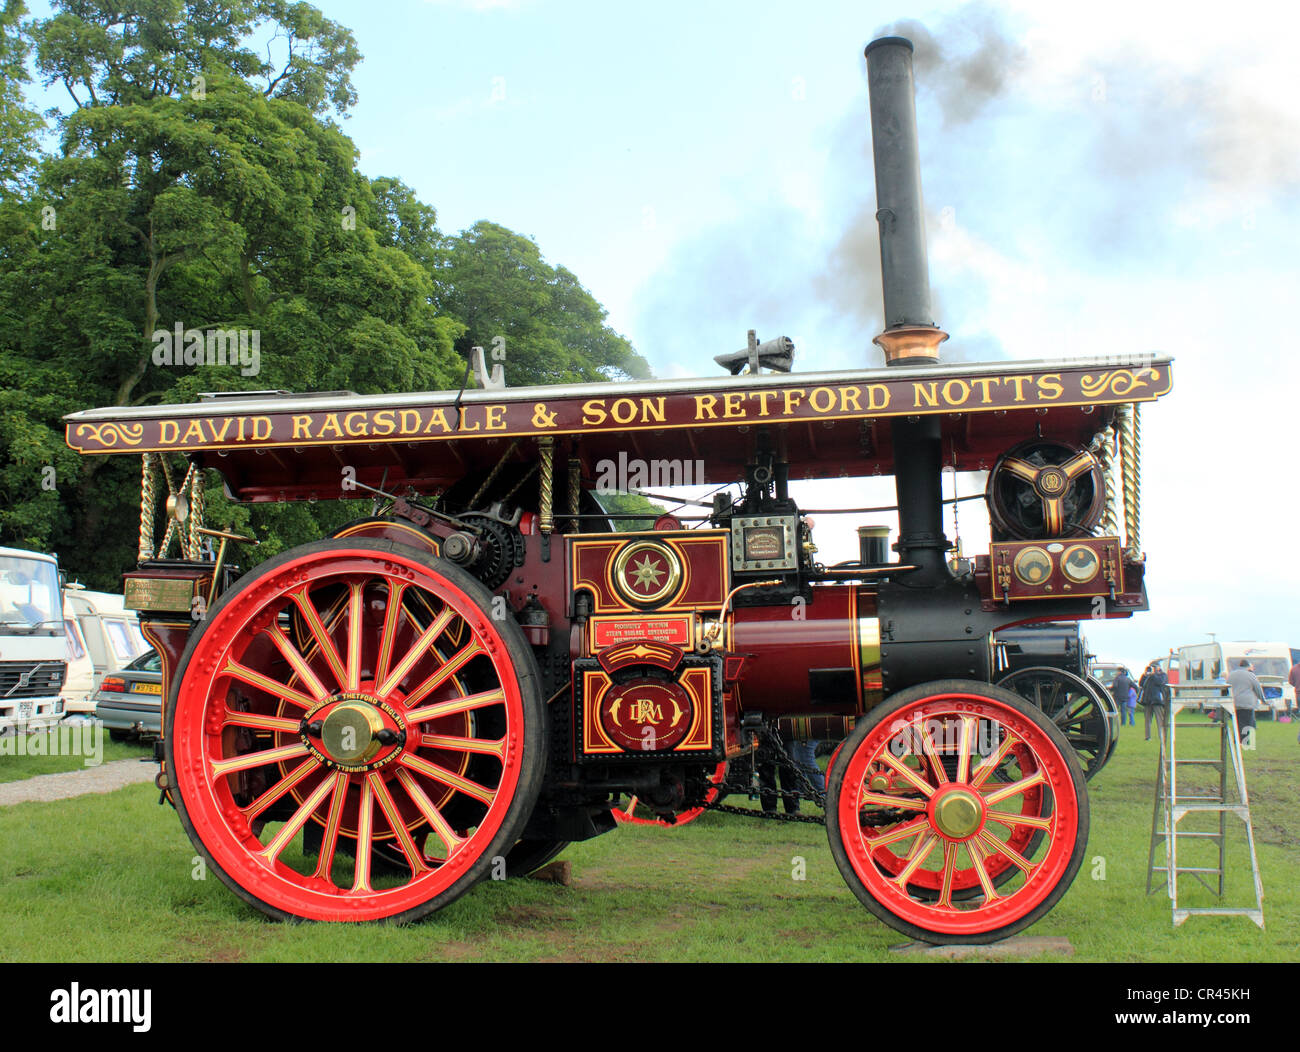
[[1230, 798]]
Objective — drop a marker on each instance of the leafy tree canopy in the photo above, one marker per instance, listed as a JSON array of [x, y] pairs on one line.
[[108, 53], [498, 285], [202, 185]]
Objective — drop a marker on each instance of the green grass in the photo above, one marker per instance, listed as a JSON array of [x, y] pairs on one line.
[[109, 878], [39, 756]]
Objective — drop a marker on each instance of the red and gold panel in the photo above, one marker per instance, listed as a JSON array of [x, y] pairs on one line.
[[1051, 569], [659, 570], [615, 631], [647, 717]]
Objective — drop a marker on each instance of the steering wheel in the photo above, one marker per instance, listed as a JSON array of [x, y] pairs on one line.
[[1042, 488]]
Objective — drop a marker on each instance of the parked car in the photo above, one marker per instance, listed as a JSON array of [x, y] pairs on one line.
[[103, 638], [1105, 672], [129, 701]]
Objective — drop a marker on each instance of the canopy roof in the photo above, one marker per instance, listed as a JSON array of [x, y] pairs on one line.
[[280, 446]]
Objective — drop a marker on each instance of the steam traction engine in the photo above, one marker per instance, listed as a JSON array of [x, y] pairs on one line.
[[484, 667]]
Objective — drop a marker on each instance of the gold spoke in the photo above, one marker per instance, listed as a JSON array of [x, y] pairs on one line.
[[1009, 818], [456, 705], [476, 745], [356, 610], [320, 634], [449, 668], [977, 857], [1000, 847], [949, 869], [392, 617], [931, 754], [967, 747], [450, 778], [915, 857], [885, 800], [910, 775], [267, 723], [1002, 792], [900, 832], [330, 835], [389, 805], [991, 762], [299, 819], [281, 787], [266, 683], [444, 831], [365, 830], [299, 663], [247, 761], [417, 651]]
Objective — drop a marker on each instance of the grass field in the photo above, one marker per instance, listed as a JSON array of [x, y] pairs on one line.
[[65, 748], [112, 878]]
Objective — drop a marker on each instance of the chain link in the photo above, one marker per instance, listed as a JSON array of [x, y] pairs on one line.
[[773, 750]]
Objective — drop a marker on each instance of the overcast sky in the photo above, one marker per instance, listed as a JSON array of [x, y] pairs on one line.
[[1102, 178]]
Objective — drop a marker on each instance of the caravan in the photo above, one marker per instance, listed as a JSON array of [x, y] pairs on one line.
[[1205, 666], [103, 637], [33, 652]]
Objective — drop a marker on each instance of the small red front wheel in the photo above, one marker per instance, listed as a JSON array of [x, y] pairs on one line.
[[938, 794]]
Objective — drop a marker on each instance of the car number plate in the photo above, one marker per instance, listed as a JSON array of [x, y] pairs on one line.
[[146, 688], [24, 710]]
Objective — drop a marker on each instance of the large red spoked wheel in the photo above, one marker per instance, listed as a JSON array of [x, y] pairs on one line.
[[957, 812], [347, 704]]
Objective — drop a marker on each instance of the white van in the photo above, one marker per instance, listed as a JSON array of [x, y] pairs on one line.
[[103, 637], [33, 650], [1206, 666]]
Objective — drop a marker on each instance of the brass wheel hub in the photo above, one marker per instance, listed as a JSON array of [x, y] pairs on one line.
[[353, 735], [348, 733], [958, 814]]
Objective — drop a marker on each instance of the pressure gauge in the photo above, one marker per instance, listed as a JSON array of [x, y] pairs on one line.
[[1080, 564], [1033, 566]]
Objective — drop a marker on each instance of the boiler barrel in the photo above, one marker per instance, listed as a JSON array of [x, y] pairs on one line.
[[820, 657]]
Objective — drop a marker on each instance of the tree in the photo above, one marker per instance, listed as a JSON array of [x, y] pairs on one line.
[[497, 285], [200, 184], [19, 124], [125, 52]]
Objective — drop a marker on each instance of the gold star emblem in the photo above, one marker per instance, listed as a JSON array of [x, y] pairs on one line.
[[647, 574]]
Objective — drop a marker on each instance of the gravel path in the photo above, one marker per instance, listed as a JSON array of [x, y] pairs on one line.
[[102, 779]]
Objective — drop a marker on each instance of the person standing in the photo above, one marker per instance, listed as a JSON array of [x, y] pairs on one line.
[[804, 755], [1131, 704], [1119, 688], [1294, 680], [1246, 689], [1153, 692]]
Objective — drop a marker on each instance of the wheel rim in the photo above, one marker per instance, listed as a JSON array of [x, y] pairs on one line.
[[1112, 712], [359, 692], [1073, 705], [629, 817], [947, 824]]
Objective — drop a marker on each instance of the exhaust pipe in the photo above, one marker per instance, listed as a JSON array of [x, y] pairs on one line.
[[910, 336]]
